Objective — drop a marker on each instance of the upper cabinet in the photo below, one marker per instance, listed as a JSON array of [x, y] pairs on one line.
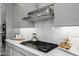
[[20, 11], [3, 11], [66, 14], [26, 7]]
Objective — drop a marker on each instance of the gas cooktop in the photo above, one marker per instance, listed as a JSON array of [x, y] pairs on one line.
[[40, 45]]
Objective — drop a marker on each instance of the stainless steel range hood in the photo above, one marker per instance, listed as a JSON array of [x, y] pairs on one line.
[[41, 14]]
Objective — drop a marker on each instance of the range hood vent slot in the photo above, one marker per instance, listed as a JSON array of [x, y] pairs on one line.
[[41, 14]]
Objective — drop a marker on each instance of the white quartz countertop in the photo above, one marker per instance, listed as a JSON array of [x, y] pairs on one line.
[[53, 52]]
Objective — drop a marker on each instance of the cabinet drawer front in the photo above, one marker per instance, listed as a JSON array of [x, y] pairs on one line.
[[20, 51]]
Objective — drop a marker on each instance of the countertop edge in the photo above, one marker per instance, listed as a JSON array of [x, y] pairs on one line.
[[35, 51]]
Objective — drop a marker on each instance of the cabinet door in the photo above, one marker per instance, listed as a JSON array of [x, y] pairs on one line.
[[16, 16], [20, 11], [9, 21], [66, 14], [8, 50], [59, 52], [26, 7], [16, 53]]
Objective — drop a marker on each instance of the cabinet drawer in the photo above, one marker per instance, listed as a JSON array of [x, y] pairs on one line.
[[19, 51]]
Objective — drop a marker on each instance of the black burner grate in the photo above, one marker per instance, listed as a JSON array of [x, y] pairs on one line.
[[40, 45]]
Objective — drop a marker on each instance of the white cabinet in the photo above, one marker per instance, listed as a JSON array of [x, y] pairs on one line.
[[66, 14], [16, 16], [26, 7], [16, 53], [8, 50], [20, 11], [59, 52], [3, 11], [0, 23], [31, 6], [14, 50], [9, 20]]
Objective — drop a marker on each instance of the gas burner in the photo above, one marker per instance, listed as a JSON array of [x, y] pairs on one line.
[[40, 45]]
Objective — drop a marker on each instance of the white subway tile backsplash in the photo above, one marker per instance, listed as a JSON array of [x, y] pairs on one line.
[[27, 32], [53, 35]]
